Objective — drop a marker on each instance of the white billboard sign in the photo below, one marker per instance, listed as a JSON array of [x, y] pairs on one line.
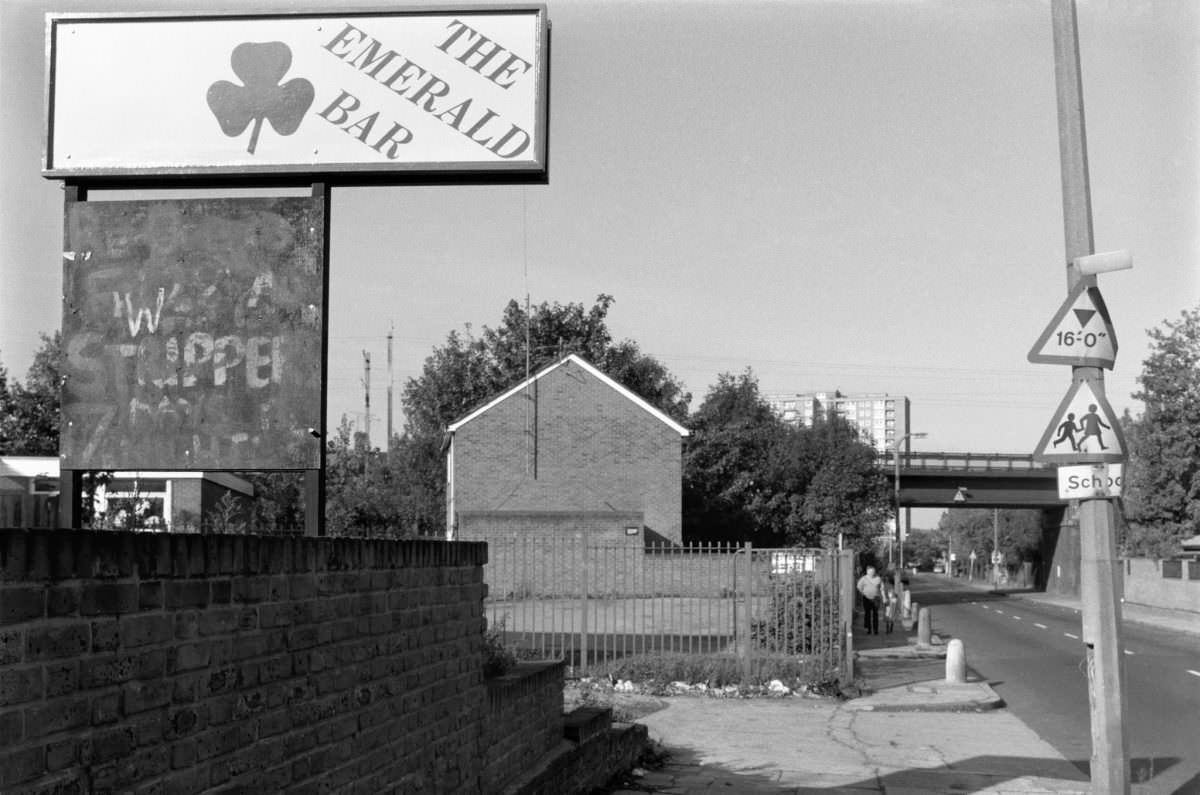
[[1086, 481], [352, 93]]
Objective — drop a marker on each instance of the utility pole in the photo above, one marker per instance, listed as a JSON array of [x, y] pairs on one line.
[[995, 548], [388, 446], [1099, 589], [367, 396]]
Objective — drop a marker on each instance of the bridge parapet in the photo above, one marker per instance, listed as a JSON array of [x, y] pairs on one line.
[[966, 462]]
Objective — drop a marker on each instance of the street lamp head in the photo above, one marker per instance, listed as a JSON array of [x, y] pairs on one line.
[[900, 439]]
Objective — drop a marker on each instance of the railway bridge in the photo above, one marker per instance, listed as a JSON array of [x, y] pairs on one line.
[[995, 480], [972, 480]]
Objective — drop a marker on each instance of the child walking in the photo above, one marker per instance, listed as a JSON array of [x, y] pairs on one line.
[[891, 606]]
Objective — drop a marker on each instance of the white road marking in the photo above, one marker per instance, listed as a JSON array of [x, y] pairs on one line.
[[1016, 618], [998, 610], [1127, 651], [1069, 635], [1040, 626], [1193, 673]]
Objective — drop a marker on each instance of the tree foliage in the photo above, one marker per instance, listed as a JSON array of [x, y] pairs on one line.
[[923, 547], [725, 461], [278, 504], [750, 476], [1162, 490], [964, 530], [29, 411], [847, 495], [368, 492], [468, 370]]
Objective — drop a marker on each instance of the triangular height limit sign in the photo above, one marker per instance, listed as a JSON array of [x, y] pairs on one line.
[[1083, 430], [1081, 333]]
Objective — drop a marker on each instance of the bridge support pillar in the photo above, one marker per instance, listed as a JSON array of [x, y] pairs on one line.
[[1060, 550]]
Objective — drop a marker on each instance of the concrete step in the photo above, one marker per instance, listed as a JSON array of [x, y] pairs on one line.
[[583, 723], [580, 768]]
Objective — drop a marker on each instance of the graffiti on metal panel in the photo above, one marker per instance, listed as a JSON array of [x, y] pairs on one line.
[[193, 334]]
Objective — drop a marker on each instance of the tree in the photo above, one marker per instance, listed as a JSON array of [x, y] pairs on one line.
[[278, 504], [5, 410], [1019, 532], [847, 497], [748, 475], [923, 547], [725, 480], [31, 418], [469, 370], [1162, 489]]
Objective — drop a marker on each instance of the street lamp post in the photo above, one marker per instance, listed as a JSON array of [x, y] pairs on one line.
[[995, 548], [896, 482]]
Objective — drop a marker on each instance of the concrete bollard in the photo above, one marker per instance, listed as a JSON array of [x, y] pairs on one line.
[[956, 663], [912, 612], [924, 631], [906, 602]]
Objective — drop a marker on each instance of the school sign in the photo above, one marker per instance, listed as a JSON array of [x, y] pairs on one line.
[[361, 93]]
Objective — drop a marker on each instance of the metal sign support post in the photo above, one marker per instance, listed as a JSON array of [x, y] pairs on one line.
[[70, 481], [314, 479], [1099, 589]]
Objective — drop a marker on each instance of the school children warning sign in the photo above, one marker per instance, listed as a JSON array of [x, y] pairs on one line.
[[1084, 429]]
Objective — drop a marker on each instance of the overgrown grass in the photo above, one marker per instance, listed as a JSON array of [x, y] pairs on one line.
[[498, 659]]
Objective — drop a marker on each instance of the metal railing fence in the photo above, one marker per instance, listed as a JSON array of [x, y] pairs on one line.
[[597, 603], [965, 462]]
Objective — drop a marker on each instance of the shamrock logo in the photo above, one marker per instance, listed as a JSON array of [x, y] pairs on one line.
[[260, 65]]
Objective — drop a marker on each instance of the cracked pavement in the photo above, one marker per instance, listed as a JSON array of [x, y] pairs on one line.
[[803, 745]]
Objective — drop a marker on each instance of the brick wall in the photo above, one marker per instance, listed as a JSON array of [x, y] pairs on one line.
[[184, 663], [1145, 584], [533, 688], [593, 450], [543, 552]]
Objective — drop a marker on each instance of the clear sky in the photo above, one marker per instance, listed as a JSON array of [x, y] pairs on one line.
[[847, 195]]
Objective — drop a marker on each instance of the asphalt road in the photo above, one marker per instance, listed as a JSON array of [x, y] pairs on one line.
[[1033, 657]]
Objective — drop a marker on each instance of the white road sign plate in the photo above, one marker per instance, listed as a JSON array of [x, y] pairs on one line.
[[1086, 481], [1084, 429], [1080, 334]]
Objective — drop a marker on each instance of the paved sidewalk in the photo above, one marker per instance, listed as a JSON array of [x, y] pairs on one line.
[[909, 732], [799, 745]]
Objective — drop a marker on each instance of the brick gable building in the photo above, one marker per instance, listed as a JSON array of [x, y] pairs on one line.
[[568, 450]]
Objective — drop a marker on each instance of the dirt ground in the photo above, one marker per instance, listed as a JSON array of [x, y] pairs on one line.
[[626, 707]]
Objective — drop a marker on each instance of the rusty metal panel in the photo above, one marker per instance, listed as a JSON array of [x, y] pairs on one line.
[[193, 331]]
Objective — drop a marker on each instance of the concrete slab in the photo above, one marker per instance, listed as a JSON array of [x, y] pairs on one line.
[[930, 696], [809, 746]]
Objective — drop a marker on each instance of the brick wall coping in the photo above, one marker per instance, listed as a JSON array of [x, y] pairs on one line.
[[36, 555], [526, 677], [543, 514]]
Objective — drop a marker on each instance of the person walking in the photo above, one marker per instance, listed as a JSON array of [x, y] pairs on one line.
[[870, 585], [891, 606]]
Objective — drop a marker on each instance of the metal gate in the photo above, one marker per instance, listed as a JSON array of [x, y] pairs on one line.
[[595, 603]]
